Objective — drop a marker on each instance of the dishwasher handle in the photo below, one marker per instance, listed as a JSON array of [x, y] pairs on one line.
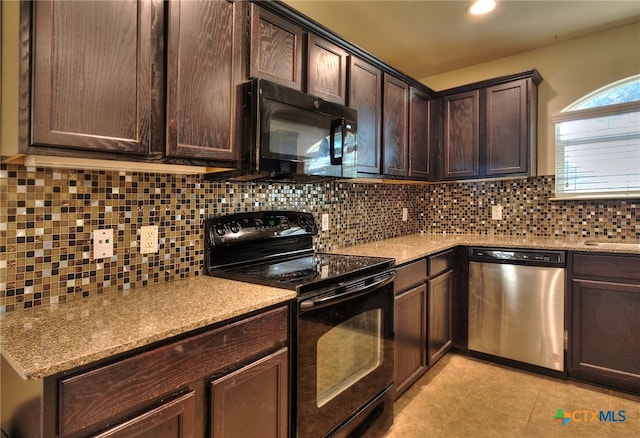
[[518, 256]]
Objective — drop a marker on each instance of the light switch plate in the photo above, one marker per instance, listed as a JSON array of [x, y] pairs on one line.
[[496, 212], [103, 243], [148, 239], [325, 222], [405, 214]]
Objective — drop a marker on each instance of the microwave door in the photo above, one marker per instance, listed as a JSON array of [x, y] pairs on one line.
[[297, 140]]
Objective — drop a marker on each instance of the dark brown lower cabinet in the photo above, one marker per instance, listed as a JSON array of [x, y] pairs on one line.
[[410, 324], [605, 340], [229, 380], [173, 418], [439, 333], [410, 337], [252, 401], [422, 323]]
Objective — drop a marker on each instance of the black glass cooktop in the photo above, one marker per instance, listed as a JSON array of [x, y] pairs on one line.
[[306, 273]]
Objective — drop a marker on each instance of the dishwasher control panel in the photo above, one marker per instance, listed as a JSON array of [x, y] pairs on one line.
[[502, 255]]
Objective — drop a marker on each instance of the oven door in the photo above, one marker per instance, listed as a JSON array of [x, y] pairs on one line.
[[344, 356]]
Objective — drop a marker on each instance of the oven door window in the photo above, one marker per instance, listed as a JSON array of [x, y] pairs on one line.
[[347, 353]]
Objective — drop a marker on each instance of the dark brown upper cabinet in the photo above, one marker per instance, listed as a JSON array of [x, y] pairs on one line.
[[326, 70], [161, 82], [365, 96], [276, 48], [490, 127], [205, 68], [508, 129], [92, 69], [461, 135], [395, 116], [419, 128]]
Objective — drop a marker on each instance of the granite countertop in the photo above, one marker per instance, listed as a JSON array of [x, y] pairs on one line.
[[415, 246], [47, 340]]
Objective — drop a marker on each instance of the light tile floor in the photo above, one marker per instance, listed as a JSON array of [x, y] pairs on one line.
[[465, 397]]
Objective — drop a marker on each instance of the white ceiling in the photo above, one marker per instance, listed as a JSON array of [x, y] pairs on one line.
[[423, 38]]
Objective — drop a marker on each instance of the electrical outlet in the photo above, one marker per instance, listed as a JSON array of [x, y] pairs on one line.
[[103, 243], [325, 222], [496, 212], [405, 214], [149, 239]]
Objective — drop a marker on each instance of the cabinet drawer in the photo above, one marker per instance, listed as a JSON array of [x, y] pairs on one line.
[[102, 395], [410, 275], [441, 262], [610, 266]]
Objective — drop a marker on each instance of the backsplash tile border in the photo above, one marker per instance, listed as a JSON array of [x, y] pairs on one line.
[[47, 215]]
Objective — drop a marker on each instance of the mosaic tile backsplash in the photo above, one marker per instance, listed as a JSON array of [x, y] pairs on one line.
[[47, 217]]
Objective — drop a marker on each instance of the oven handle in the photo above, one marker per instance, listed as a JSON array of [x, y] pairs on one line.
[[318, 303]]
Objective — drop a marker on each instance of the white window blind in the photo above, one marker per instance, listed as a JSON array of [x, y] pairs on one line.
[[598, 152]]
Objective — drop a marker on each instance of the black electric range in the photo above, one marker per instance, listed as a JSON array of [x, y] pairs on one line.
[[344, 308]]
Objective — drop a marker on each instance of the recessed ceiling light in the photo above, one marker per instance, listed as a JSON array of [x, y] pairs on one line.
[[480, 7]]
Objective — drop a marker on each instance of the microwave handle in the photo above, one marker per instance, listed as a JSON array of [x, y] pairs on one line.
[[335, 124]]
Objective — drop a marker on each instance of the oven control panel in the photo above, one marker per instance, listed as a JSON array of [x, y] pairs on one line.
[[271, 224], [258, 226]]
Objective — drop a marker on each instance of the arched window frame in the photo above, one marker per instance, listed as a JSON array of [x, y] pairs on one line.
[[598, 148]]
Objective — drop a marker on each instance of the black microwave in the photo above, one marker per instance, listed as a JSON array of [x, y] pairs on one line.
[[288, 132]]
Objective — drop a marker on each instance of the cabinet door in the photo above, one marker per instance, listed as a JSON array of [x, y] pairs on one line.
[[507, 129], [419, 129], [92, 70], [461, 135], [410, 337], [365, 96], [326, 70], [276, 49], [395, 114], [175, 418], [604, 339], [439, 330], [253, 401], [205, 70]]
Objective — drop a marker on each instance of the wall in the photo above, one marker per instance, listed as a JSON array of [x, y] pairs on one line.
[[570, 70], [47, 215]]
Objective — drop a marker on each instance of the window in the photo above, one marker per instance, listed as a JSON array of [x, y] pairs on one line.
[[598, 144]]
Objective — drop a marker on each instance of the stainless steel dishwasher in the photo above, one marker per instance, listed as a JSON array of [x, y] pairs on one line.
[[516, 305]]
